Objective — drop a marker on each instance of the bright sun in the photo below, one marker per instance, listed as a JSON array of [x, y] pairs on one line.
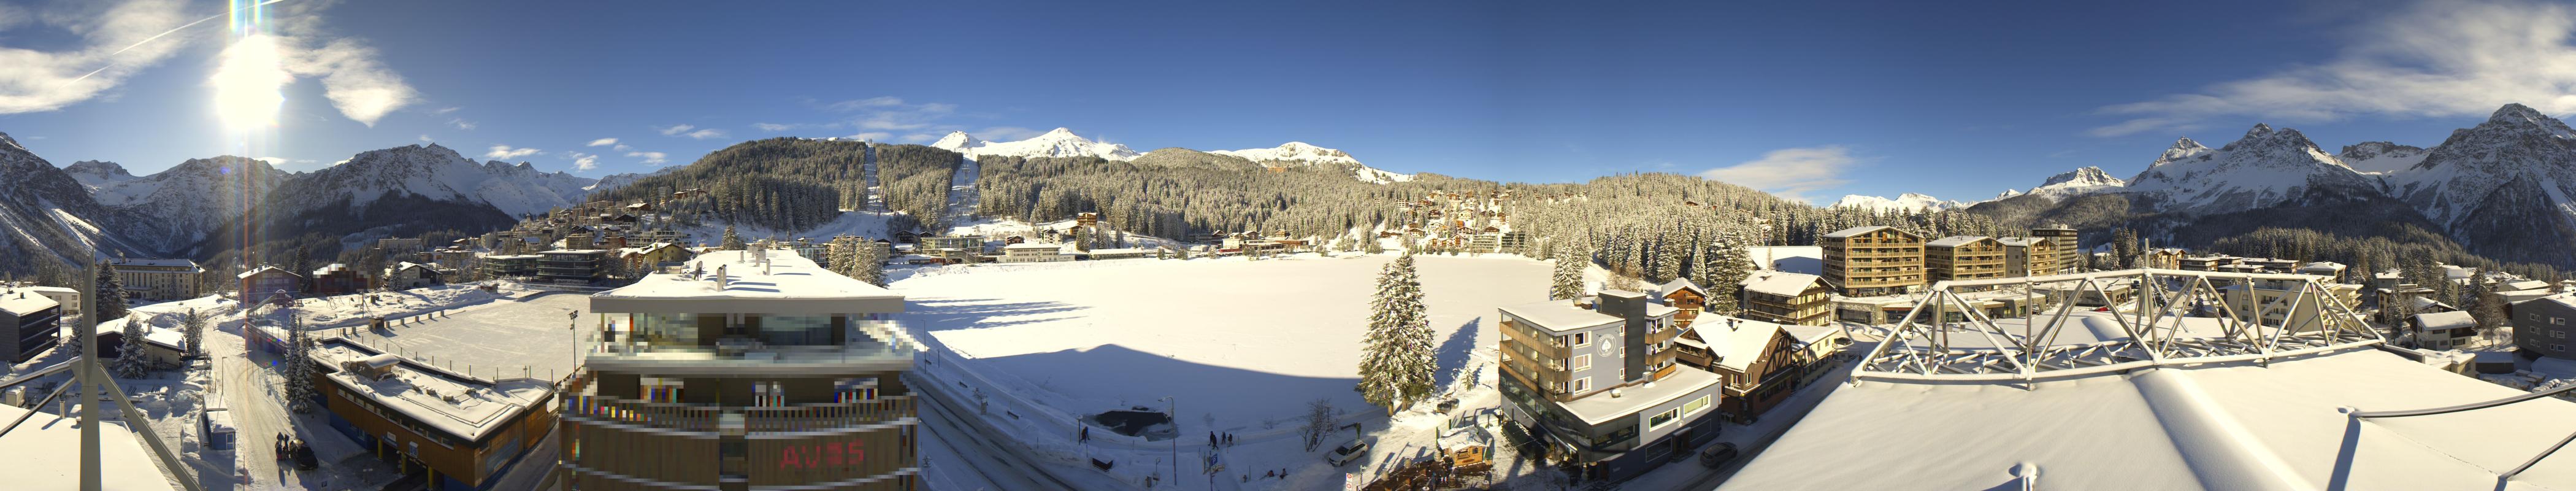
[[248, 84]]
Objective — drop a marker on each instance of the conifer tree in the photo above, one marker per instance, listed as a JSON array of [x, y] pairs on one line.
[[731, 242], [1397, 361], [130, 361], [299, 369], [1728, 265], [869, 262], [1567, 282], [109, 292], [193, 326]]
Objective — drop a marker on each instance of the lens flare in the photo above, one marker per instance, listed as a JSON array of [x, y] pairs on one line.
[[249, 83]]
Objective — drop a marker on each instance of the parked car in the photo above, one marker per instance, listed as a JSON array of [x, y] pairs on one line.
[[1717, 455], [1348, 452]]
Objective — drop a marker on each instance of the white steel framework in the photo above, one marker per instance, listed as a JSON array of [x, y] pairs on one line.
[[2292, 315]]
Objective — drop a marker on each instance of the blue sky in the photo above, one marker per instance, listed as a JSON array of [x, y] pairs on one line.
[[1955, 100]]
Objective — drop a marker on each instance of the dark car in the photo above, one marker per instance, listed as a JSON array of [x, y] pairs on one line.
[[304, 459], [1717, 455]]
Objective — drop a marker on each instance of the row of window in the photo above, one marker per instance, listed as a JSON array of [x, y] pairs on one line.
[[1676, 414]]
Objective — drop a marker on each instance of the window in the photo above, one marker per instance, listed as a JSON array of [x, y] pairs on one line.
[[1664, 418], [1582, 362], [2557, 321], [1582, 384], [1582, 339], [2558, 334], [1695, 405]]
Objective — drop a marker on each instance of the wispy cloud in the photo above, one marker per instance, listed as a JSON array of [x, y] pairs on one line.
[[773, 127], [357, 84], [583, 161], [426, 138], [675, 130], [461, 123], [111, 42], [2432, 59], [650, 157], [444, 110], [690, 131], [274, 161], [605, 142], [706, 133], [505, 152], [1790, 172]]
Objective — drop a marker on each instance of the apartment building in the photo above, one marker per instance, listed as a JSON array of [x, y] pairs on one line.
[[339, 279], [510, 266], [572, 267], [30, 323], [1033, 252], [1873, 261], [158, 279], [2444, 330], [1786, 298], [1580, 380], [2028, 256], [2541, 326], [2068, 246], [270, 284], [744, 370], [1964, 257], [463, 430], [1758, 364]]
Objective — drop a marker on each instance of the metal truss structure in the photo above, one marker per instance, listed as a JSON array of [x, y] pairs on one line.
[[1947, 337]]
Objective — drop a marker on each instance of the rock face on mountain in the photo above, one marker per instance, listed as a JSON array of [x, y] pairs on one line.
[[2380, 157], [402, 191], [45, 213], [94, 173], [2266, 167], [2507, 185], [2069, 184], [177, 207]]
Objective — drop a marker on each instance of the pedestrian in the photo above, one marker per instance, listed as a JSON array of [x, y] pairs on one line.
[[1211, 439]]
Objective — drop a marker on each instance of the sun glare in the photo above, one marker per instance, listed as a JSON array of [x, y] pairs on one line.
[[248, 83]]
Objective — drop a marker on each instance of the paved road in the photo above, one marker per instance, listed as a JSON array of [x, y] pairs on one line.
[[249, 390], [996, 462]]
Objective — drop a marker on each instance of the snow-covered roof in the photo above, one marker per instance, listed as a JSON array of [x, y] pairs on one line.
[[1601, 408], [168, 263], [1780, 283], [2445, 320], [25, 303], [1660, 310], [327, 270], [1127, 250], [422, 393], [1956, 240], [40, 455], [50, 290], [2524, 285], [1857, 231], [787, 283], [574, 251], [1023, 246], [1559, 315], [1812, 334], [256, 271], [2207, 426], [1736, 342], [1679, 284], [2021, 241]]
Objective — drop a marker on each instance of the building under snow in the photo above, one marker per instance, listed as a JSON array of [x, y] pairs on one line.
[[1579, 380], [744, 369]]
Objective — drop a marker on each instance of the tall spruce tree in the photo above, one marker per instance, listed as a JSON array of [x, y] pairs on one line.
[[1728, 265], [1567, 282], [193, 327], [109, 292], [869, 262], [299, 369], [131, 362], [1397, 362], [731, 242]]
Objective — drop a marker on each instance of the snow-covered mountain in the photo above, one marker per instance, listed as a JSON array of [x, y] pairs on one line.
[[2380, 157], [2509, 180], [96, 174], [1060, 142], [179, 206], [45, 212], [1300, 153], [2078, 182], [438, 173], [614, 181], [2264, 168], [1907, 202]]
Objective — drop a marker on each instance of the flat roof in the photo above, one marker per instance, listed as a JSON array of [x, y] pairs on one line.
[[42, 454], [1559, 315], [785, 284], [1601, 407], [23, 303], [2210, 426], [1957, 240], [2446, 320], [1858, 230], [170, 263], [478, 407]]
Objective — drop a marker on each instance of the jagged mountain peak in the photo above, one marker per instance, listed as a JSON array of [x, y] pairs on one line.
[[1059, 132], [2089, 175], [2258, 130], [1060, 142], [2380, 157], [1302, 153], [95, 173], [2515, 111], [2266, 167]]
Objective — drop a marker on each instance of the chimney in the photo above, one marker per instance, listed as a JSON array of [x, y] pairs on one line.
[[720, 277]]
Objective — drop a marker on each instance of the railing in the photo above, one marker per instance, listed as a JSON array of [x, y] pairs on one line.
[[711, 419]]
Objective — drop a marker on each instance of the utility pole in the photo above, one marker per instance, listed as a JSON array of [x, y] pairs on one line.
[[88, 403], [1173, 406]]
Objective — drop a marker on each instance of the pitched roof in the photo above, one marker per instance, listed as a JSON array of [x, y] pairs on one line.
[[2445, 320], [1956, 240], [1780, 283], [1860, 230], [1736, 342], [1679, 284], [256, 271]]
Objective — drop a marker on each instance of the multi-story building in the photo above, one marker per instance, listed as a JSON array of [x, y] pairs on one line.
[[270, 284], [408, 275], [2062, 239], [1872, 261], [2443, 330], [1964, 257], [1758, 364], [339, 279], [464, 430], [574, 266], [1033, 252], [2028, 256], [511, 266], [746, 370], [29, 324], [2214, 262], [158, 279], [2541, 326], [1579, 380], [1787, 298], [2276, 301], [1683, 294], [2163, 258]]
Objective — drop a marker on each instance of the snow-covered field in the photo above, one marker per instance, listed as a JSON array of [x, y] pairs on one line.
[[1244, 345]]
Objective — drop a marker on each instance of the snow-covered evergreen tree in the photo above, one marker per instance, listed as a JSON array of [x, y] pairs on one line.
[[299, 369], [130, 360], [731, 242], [1728, 265], [868, 261], [1567, 282], [1397, 361], [109, 292], [1372, 246], [193, 326]]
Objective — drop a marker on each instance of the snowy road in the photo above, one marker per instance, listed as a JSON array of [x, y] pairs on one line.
[[973, 449], [249, 389]]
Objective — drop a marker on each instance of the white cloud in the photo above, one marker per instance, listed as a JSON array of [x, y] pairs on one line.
[[2433, 59], [357, 84], [461, 123], [583, 161], [621, 147], [706, 133], [858, 104], [605, 142], [873, 136], [675, 130], [109, 43], [1789, 172], [274, 161], [341, 161], [444, 110], [425, 138], [505, 152], [650, 157], [773, 126]]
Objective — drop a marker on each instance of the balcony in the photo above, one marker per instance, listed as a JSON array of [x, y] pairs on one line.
[[712, 419], [867, 347]]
